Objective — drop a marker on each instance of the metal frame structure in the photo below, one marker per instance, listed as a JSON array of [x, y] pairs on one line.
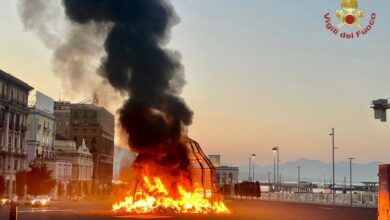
[[202, 172]]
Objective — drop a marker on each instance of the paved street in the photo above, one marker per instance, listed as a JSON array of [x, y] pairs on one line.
[[261, 210]]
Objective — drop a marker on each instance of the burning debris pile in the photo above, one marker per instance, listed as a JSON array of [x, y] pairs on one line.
[[157, 193], [155, 118], [156, 198]]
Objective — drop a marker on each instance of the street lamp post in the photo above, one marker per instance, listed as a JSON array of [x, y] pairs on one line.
[[253, 167], [275, 150], [333, 181], [350, 177], [249, 171], [299, 183]]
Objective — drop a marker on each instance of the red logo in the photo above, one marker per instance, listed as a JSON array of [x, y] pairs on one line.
[[349, 17]]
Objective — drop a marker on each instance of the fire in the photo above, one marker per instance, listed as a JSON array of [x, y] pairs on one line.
[[156, 198]]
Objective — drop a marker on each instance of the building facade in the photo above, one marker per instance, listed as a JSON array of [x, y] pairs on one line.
[[41, 128], [95, 126], [77, 181], [61, 172], [225, 175], [13, 117]]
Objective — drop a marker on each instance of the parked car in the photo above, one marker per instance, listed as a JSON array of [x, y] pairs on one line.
[[42, 201], [8, 200], [4, 201]]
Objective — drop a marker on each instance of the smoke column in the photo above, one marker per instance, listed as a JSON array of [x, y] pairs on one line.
[[77, 50], [138, 63]]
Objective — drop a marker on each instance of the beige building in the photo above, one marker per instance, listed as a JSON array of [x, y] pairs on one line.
[[94, 125], [13, 117], [41, 128], [61, 171], [225, 175], [81, 162]]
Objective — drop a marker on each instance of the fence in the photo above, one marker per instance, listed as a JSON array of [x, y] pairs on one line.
[[358, 200]]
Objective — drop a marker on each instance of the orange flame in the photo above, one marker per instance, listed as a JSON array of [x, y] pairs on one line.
[[156, 198]]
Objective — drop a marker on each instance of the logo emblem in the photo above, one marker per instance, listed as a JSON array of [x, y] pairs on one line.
[[349, 14]]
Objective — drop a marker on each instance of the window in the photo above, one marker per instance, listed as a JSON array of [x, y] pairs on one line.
[[17, 120], [230, 180], [11, 120], [223, 178], [9, 141], [3, 91], [16, 164], [16, 143], [76, 117]]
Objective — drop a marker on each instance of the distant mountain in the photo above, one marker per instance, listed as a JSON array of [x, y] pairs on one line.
[[314, 171]]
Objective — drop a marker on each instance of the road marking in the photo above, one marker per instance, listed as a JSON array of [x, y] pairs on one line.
[[354, 210], [144, 216], [44, 210], [326, 208]]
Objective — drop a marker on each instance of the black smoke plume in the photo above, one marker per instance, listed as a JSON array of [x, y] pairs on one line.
[[137, 62]]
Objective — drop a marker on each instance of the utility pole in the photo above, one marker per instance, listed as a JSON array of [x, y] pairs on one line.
[[299, 183], [333, 181], [350, 177], [345, 184], [269, 185], [249, 171], [275, 150], [253, 167]]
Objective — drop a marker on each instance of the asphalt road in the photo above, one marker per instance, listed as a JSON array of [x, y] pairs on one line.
[[261, 210]]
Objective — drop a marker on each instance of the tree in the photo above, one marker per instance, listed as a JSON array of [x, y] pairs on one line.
[[39, 180], [2, 185], [61, 189], [21, 181]]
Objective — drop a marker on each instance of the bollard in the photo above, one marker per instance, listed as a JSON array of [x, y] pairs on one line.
[[13, 211]]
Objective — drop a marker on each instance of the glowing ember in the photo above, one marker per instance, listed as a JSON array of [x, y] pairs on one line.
[[156, 198]]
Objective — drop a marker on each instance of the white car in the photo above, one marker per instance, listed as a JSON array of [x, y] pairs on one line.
[[41, 201]]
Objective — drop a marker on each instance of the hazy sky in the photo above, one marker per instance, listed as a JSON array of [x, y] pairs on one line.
[[260, 73]]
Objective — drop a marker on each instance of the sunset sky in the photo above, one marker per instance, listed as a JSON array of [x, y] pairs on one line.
[[259, 74]]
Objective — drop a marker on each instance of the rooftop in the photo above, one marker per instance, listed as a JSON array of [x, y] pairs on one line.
[[14, 80]]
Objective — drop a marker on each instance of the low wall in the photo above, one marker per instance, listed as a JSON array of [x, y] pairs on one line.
[[358, 200]]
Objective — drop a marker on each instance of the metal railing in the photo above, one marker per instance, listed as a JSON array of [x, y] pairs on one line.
[[367, 200]]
